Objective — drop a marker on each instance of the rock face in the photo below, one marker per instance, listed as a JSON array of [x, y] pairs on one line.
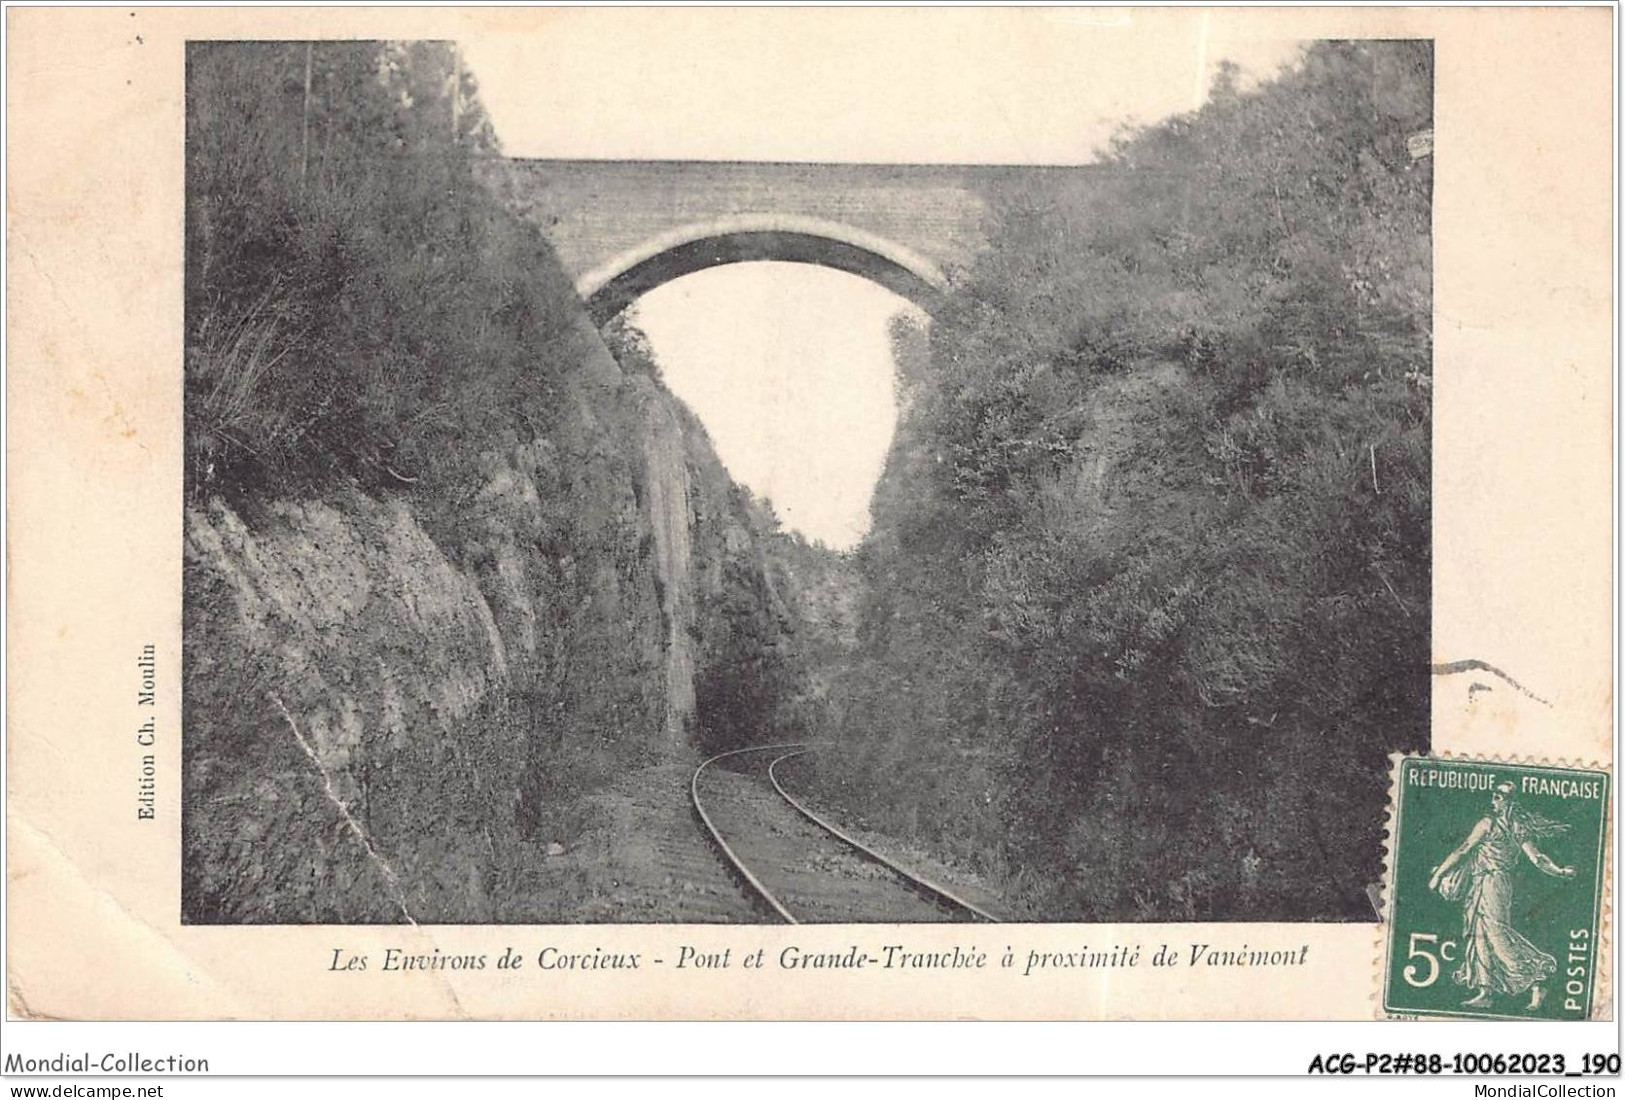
[[336, 661], [392, 703], [667, 504]]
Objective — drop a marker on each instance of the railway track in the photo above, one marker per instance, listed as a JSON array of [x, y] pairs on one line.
[[802, 868]]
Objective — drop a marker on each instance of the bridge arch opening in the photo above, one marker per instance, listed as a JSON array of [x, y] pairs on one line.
[[793, 369], [610, 288]]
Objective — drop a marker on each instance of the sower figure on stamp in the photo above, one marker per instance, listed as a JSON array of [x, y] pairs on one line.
[[1495, 957]]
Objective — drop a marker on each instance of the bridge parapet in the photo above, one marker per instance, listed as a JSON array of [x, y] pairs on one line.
[[606, 218]]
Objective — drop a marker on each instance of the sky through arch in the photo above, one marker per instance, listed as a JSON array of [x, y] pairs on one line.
[[789, 367]]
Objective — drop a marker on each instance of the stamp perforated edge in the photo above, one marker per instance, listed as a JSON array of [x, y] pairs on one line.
[[1602, 985]]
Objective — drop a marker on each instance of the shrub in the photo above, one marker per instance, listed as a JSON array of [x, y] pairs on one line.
[[357, 304], [1152, 545]]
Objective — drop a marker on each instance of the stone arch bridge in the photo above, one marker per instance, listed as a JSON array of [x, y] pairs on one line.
[[622, 228]]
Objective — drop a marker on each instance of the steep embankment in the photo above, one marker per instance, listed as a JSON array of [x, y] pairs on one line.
[[449, 566], [1146, 598], [394, 707]]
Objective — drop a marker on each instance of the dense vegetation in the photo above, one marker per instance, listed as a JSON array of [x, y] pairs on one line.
[[418, 522], [355, 304], [1146, 600]]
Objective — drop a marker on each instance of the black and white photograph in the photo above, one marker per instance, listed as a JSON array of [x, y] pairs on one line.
[[1032, 523]]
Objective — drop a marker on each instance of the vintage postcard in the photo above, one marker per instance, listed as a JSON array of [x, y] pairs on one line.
[[810, 514]]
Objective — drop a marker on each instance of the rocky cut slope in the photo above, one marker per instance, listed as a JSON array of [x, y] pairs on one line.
[[448, 567], [389, 716]]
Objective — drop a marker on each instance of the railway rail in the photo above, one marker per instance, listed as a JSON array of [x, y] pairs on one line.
[[801, 867]]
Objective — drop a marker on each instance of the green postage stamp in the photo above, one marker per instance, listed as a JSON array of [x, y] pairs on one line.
[[1495, 890]]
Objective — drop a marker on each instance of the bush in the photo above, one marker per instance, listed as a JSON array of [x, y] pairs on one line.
[[1152, 546], [356, 303]]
